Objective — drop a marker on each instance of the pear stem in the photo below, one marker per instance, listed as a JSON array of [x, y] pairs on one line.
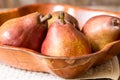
[[116, 22], [46, 17], [62, 16]]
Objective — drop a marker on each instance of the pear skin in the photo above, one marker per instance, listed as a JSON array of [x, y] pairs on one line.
[[63, 39], [68, 17], [101, 30], [26, 31]]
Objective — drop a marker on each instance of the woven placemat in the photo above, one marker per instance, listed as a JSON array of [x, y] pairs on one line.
[[109, 69]]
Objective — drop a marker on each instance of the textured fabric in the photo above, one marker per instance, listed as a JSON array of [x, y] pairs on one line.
[[109, 69]]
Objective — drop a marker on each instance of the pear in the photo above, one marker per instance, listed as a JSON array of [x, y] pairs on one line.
[[101, 30], [63, 39], [68, 17], [27, 31]]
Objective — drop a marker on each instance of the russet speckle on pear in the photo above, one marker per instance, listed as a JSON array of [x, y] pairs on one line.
[[63, 39]]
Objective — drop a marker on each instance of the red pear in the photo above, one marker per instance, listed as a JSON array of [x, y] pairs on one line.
[[28, 31], [63, 39], [101, 30], [68, 17]]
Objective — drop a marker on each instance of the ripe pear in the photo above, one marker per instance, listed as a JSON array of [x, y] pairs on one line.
[[27, 31], [68, 17], [101, 30], [63, 39]]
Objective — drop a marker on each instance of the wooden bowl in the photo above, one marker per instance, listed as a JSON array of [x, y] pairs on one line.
[[27, 59]]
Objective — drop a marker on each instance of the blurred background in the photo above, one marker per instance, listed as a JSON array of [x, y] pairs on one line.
[[113, 5]]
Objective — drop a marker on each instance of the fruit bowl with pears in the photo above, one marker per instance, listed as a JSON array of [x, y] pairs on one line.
[[57, 38]]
